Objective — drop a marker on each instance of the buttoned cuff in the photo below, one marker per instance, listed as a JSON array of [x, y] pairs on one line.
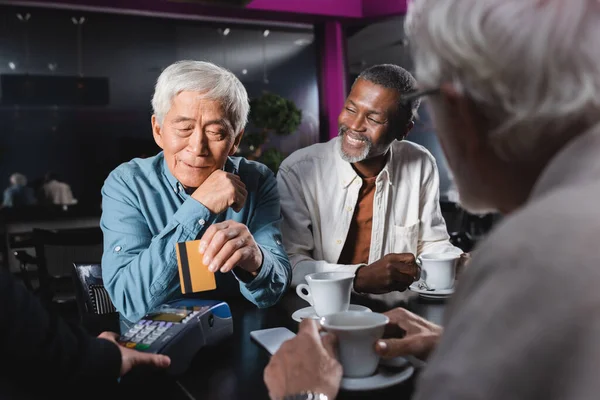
[[194, 217], [264, 273]]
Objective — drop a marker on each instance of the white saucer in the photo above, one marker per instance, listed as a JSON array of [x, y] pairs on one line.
[[383, 378], [432, 294], [309, 312]]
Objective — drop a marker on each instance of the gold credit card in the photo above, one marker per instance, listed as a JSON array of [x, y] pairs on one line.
[[193, 274]]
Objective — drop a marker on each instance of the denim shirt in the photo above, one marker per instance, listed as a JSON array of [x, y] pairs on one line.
[[146, 211]]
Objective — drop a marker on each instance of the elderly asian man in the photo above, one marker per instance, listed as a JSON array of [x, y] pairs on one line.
[[193, 189], [514, 89]]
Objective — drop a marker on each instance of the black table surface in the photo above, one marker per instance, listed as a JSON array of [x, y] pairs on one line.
[[234, 368]]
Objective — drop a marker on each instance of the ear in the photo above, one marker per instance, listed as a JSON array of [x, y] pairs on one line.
[[157, 132], [236, 143], [407, 129]]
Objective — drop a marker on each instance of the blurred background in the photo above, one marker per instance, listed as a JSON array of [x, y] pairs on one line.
[[77, 77]]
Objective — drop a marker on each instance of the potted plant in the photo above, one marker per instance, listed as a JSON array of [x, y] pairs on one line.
[[270, 114]]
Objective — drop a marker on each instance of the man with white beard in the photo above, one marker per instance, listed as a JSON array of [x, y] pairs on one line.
[[367, 201]]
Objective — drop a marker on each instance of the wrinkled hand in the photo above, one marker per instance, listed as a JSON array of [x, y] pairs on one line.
[[392, 272], [132, 358], [408, 335], [306, 362], [220, 191], [229, 244]]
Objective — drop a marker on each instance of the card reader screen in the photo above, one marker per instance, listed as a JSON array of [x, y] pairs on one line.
[[169, 317]]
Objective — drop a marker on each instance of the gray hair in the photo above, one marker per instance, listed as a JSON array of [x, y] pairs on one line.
[[392, 76], [212, 81], [531, 67], [18, 179]]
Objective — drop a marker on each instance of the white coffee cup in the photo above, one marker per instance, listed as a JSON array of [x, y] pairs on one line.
[[438, 270], [327, 292], [357, 332]]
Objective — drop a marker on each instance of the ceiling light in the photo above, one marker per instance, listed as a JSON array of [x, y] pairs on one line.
[[12, 65], [301, 42], [226, 31], [244, 71], [266, 32]]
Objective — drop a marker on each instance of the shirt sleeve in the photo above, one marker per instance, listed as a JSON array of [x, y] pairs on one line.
[[433, 234], [38, 343], [521, 325], [140, 271], [297, 230], [274, 276]]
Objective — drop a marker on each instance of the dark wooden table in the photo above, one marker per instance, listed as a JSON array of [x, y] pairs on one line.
[[234, 368]]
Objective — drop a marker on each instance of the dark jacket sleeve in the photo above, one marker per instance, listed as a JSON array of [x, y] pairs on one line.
[[37, 343]]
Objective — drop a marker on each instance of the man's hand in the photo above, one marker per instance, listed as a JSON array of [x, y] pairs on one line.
[[304, 363], [463, 262], [408, 334], [392, 272], [220, 191], [132, 358], [229, 244]]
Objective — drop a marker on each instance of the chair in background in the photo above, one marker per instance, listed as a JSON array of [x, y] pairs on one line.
[[56, 251], [96, 310]]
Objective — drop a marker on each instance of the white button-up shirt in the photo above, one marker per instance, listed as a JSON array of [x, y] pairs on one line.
[[319, 191]]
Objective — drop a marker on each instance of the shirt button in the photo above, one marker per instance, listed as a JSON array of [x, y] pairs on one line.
[[118, 248], [348, 209], [201, 222], [338, 241], [278, 242]]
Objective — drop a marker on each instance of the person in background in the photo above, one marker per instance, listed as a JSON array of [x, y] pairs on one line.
[[367, 201], [18, 194], [56, 192], [193, 189], [517, 110], [44, 357]]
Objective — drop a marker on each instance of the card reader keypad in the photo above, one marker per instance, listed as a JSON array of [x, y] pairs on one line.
[[145, 332]]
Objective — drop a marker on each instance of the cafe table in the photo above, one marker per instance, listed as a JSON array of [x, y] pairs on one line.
[[234, 368]]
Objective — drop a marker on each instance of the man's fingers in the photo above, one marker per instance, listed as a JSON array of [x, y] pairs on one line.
[[310, 327], [401, 317], [329, 341], [390, 348], [112, 336], [209, 233], [216, 244], [154, 360], [227, 251], [236, 258]]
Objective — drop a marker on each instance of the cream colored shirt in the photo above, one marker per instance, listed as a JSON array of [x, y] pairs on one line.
[[319, 191]]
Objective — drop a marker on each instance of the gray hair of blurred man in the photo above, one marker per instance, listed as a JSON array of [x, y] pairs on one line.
[[211, 81], [531, 67], [18, 179]]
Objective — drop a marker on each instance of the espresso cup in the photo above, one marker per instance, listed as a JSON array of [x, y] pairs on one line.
[[438, 270], [327, 292], [357, 332]]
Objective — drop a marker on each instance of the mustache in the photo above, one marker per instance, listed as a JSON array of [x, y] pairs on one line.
[[343, 129]]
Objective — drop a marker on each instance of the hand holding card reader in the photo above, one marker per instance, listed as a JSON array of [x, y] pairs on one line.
[[179, 329]]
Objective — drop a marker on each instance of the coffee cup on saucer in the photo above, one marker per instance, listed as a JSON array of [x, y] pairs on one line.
[[356, 332], [438, 270], [327, 292]]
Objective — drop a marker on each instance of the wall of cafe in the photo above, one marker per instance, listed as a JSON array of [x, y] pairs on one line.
[[84, 143]]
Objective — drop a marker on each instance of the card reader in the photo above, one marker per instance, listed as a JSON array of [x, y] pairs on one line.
[[179, 329]]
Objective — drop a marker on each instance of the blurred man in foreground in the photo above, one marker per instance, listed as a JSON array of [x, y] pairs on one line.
[[515, 93]]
